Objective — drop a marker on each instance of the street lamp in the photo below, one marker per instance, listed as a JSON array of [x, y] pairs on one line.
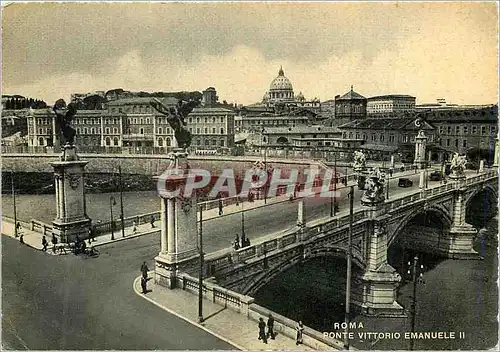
[[333, 200], [417, 274], [200, 274], [242, 224], [349, 264], [121, 200], [14, 202], [111, 203], [387, 190], [265, 168]]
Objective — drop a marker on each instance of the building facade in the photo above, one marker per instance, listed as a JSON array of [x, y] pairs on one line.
[[393, 103], [133, 125]]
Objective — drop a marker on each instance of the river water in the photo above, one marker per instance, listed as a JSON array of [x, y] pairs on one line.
[[42, 207]]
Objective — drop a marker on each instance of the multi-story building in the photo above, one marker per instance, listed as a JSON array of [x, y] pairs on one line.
[[393, 103], [384, 136], [209, 96], [449, 130], [463, 129], [132, 124], [349, 107]]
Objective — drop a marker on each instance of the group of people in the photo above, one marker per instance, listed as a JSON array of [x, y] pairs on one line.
[[80, 245], [270, 330], [245, 242]]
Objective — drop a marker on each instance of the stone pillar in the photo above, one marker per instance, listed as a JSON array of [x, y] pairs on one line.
[[380, 280], [163, 220], [392, 161], [420, 144], [481, 166], [300, 214], [179, 248], [71, 218], [458, 242], [421, 183], [496, 157]]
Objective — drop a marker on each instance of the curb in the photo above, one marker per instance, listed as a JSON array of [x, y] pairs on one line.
[[198, 325]]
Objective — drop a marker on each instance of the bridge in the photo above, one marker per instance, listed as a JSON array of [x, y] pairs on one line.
[[237, 274]]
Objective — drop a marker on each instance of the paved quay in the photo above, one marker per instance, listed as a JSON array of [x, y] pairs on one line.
[[224, 323]]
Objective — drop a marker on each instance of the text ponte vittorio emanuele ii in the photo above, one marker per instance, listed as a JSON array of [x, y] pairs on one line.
[[363, 335]]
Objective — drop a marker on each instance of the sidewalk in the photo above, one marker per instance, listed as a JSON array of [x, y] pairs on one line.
[[224, 323]]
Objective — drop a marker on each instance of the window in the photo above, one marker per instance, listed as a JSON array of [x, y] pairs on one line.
[[84, 121], [92, 130], [382, 137], [449, 129], [107, 130], [213, 119], [135, 120], [357, 135], [405, 139], [474, 129], [160, 142], [483, 129], [108, 141], [206, 142], [448, 142], [214, 142], [115, 130], [141, 131], [391, 138], [464, 143], [160, 130], [213, 130], [168, 142], [466, 129], [197, 120], [457, 130], [40, 131], [456, 143], [198, 130], [493, 129], [141, 121], [85, 130], [147, 120], [221, 131], [206, 120], [222, 143], [206, 130], [190, 120], [115, 141], [198, 142]]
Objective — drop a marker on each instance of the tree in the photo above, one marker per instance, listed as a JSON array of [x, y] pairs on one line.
[[94, 102]]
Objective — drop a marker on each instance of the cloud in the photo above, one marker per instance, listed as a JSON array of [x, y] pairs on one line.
[[429, 50]]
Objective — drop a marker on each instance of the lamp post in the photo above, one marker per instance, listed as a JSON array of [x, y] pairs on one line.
[[267, 173], [417, 273], [121, 200], [242, 222], [333, 200], [387, 190], [14, 202], [349, 264], [111, 203], [200, 274]]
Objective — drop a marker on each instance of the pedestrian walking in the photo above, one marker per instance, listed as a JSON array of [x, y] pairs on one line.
[[220, 207], [21, 238], [18, 228], [391, 171], [270, 327], [237, 242], [153, 221], [54, 243], [134, 227], [44, 244], [91, 235], [144, 285], [300, 332], [144, 270], [262, 330]]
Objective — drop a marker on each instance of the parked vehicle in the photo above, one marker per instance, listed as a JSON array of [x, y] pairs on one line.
[[435, 176], [405, 182]]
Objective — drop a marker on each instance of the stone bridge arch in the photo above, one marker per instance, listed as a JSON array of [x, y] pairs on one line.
[[478, 211], [438, 210], [278, 267]]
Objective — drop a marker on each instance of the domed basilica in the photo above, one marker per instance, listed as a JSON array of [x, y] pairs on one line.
[[281, 92]]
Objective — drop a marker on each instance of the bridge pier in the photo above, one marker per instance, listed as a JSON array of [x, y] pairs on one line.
[[458, 242], [380, 280], [179, 233]]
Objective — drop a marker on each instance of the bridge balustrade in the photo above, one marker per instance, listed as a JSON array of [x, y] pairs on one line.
[[41, 227]]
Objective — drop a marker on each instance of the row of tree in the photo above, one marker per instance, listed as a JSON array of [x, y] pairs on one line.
[[15, 103]]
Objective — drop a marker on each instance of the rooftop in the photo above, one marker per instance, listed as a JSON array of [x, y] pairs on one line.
[[301, 129], [351, 95], [405, 123], [142, 100], [392, 96]]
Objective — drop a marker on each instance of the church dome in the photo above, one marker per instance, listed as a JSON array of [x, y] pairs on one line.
[[281, 82]]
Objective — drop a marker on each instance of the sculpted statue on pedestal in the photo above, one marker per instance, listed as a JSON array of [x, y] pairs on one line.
[[374, 188], [176, 116], [458, 166], [359, 162], [64, 115]]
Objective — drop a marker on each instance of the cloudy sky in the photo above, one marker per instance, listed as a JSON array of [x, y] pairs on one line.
[[429, 50]]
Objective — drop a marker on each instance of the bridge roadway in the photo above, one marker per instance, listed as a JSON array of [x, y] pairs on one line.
[[266, 222]]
